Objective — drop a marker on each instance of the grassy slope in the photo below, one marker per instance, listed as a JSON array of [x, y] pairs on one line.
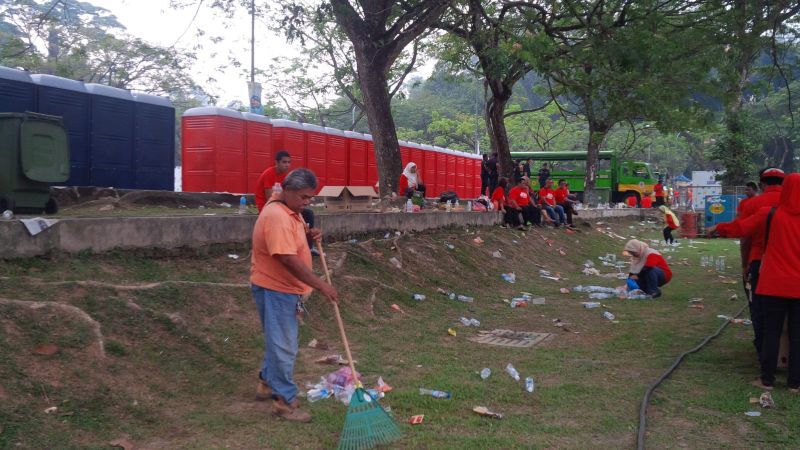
[[186, 380]]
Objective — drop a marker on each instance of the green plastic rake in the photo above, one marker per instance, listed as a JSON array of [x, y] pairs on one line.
[[367, 424]]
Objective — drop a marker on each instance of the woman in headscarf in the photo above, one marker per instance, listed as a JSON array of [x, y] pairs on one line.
[[648, 268], [672, 223], [411, 181]]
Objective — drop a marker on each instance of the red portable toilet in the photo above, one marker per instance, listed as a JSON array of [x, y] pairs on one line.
[[469, 175], [317, 152], [212, 150], [337, 158], [476, 178], [441, 170], [418, 156], [372, 167], [258, 147], [289, 135], [405, 153], [356, 159], [429, 172], [461, 174]]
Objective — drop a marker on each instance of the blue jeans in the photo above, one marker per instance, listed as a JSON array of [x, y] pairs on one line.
[[556, 213], [650, 279], [277, 312]]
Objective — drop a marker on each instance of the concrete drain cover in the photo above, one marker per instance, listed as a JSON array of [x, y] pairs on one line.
[[508, 338]]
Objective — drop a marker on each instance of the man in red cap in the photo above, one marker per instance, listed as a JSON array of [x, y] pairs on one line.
[[771, 179]]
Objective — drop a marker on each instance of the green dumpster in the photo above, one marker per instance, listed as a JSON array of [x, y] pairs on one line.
[[34, 152]]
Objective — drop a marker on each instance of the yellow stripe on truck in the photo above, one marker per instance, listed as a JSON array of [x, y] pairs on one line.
[[640, 188]]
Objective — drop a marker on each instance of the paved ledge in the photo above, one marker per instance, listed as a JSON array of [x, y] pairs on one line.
[[97, 235]]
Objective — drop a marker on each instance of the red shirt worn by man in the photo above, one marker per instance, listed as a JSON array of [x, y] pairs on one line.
[[520, 195], [499, 196], [768, 199], [561, 194], [659, 190], [266, 181], [547, 196]]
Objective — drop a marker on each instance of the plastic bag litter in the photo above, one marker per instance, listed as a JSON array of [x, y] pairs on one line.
[[498, 254], [590, 271]]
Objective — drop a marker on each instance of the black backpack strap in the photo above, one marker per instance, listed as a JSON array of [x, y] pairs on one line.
[[769, 224]]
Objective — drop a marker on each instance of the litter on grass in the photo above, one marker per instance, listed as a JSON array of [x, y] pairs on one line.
[[486, 412], [508, 338], [416, 420]]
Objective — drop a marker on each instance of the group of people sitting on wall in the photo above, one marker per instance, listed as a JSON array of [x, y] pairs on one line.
[[522, 206]]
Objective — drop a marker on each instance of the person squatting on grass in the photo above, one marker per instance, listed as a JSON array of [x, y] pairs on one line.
[[648, 268], [753, 244], [778, 288], [280, 273], [672, 222]]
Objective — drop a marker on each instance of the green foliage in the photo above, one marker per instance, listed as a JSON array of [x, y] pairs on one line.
[[738, 144]]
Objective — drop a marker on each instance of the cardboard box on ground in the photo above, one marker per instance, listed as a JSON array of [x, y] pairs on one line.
[[348, 198]]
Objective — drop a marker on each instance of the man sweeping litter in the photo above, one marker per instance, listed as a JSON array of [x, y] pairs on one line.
[[280, 273]]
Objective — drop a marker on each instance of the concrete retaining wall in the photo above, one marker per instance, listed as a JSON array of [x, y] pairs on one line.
[[74, 235]]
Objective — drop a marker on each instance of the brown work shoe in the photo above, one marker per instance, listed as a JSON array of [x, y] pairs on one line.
[[263, 391], [290, 412]]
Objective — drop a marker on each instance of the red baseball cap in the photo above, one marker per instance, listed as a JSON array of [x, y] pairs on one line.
[[772, 172]]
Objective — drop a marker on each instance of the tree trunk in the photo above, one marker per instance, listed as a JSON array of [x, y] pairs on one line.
[[495, 122], [377, 104], [597, 133]]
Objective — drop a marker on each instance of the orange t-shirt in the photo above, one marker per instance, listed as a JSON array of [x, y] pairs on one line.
[[519, 195], [278, 231], [266, 181]]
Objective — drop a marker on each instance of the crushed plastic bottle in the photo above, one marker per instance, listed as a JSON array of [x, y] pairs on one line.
[[591, 305], [529, 384], [519, 302], [600, 295], [465, 299], [448, 206], [418, 297], [510, 277], [609, 315], [485, 373], [434, 393], [512, 371], [720, 264], [318, 394], [409, 206]]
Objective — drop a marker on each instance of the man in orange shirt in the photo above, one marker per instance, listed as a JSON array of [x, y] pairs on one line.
[[566, 200], [274, 176], [659, 191], [547, 198], [280, 273]]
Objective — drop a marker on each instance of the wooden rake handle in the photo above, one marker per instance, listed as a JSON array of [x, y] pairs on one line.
[[338, 315]]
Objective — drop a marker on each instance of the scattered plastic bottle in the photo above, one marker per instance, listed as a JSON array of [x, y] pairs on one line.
[[409, 206], [510, 277], [448, 206], [418, 297], [434, 393], [8, 214], [512, 371], [242, 205], [318, 394], [469, 206], [353, 241], [609, 315], [529, 384], [721, 264], [465, 299], [591, 305], [485, 373], [600, 295]]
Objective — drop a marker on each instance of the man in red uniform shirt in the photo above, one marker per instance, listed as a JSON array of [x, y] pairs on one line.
[[778, 289], [566, 201], [771, 180], [519, 202], [275, 175], [658, 189], [547, 198]]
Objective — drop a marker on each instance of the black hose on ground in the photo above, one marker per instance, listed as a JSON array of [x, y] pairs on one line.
[[665, 375]]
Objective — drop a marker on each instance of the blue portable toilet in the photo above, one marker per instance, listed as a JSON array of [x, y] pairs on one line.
[[111, 142], [69, 99], [721, 208], [17, 91], [154, 142]]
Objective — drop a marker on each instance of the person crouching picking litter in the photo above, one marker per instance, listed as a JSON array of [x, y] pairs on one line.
[[649, 270], [672, 223]]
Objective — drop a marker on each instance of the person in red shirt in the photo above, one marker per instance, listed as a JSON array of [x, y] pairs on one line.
[[648, 268], [771, 184], [275, 175], [778, 289], [750, 191], [659, 191], [411, 181], [519, 202], [672, 223], [547, 198], [498, 199]]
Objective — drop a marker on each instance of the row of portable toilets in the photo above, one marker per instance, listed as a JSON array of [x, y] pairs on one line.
[[226, 151], [116, 138]]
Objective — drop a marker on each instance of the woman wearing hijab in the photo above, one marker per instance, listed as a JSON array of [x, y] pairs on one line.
[[672, 223], [410, 181], [648, 268], [778, 287]]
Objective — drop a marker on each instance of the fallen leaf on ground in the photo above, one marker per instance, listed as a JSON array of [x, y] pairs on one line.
[[45, 350]]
